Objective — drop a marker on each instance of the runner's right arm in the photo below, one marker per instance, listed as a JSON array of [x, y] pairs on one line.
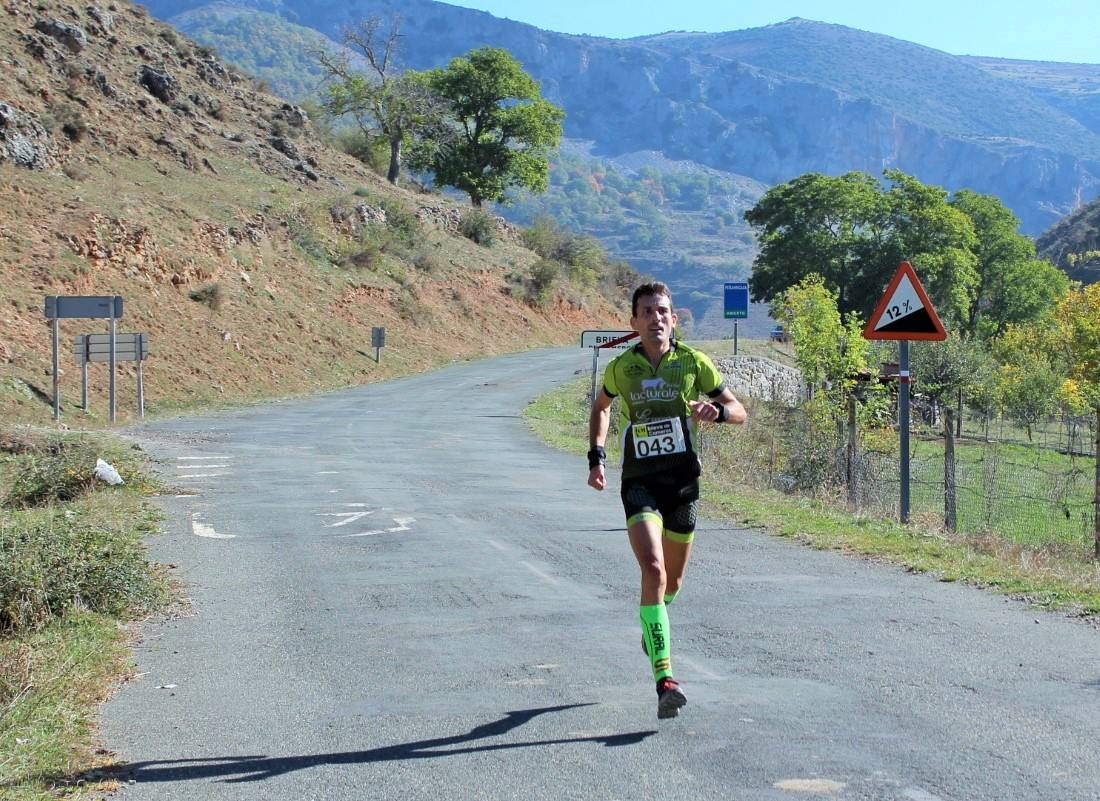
[[598, 424]]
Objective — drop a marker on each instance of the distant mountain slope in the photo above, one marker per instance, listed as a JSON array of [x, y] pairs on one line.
[[266, 45], [770, 103], [1072, 88], [1074, 243], [927, 86]]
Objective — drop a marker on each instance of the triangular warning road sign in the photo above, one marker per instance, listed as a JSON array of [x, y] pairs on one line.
[[905, 312]]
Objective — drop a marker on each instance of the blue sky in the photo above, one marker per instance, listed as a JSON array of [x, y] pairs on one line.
[[1051, 30]]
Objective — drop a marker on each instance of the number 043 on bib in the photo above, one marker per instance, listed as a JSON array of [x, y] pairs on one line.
[[658, 438]]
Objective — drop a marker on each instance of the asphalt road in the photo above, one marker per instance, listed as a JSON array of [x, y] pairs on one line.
[[399, 593]]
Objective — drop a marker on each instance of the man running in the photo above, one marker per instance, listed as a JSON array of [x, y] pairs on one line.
[[659, 381]]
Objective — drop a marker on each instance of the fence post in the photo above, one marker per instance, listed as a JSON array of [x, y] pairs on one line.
[[853, 453], [1096, 496], [950, 488]]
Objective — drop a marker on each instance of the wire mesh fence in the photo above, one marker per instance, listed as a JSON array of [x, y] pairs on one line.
[[1037, 493]]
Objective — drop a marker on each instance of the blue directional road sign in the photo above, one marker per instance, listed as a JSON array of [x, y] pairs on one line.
[[737, 300]]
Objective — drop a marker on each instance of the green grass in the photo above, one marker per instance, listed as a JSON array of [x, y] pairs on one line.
[[1043, 576], [72, 570], [1033, 496]]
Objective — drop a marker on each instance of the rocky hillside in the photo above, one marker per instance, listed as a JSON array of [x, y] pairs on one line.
[[768, 103], [1074, 243], [135, 162]]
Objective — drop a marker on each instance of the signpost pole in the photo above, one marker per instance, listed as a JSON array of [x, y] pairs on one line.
[[734, 337], [84, 372], [114, 334], [140, 381], [55, 325], [595, 367], [903, 424]]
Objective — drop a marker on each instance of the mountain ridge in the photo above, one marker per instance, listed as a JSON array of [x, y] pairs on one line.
[[790, 102]]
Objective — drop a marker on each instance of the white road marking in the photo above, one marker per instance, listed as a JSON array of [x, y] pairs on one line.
[[540, 573], [201, 466], [351, 517], [402, 525], [699, 669], [328, 472], [497, 545], [203, 530], [204, 458], [354, 504], [203, 475], [815, 786]]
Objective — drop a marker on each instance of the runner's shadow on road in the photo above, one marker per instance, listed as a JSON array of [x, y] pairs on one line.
[[235, 769]]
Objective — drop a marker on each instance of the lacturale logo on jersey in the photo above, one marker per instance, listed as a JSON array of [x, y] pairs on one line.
[[656, 389]]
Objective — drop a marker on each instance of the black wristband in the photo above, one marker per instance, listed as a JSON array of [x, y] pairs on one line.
[[596, 457], [723, 413]]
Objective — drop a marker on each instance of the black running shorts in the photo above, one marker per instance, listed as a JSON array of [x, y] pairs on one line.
[[670, 500]]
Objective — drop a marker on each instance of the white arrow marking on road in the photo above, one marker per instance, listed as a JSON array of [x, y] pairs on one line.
[[351, 517], [403, 524], [203, 530]]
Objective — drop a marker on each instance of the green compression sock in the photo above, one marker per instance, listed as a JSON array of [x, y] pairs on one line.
[[658, 641], [670, 597]]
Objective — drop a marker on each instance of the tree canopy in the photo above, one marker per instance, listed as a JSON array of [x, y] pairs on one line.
[[504, 130], [385, 103], [854, 231]]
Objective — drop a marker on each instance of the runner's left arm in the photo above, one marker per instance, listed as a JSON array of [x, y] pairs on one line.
[[723, 406], [710, 411]]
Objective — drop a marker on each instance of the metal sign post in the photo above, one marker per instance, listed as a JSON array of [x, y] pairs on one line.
[[114, 361], [55, 328], [141, 349], [58, 307], [378, 341], [904, 313], [903, 425], [88, 348]]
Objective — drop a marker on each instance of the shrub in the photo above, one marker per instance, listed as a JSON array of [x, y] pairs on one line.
[[400, 220], [410, 308], [307, 240], [427, 262], [210, 295], [51, 472], [372, 151], [542, 237], [478, 226], [367, 257], [544, 275]]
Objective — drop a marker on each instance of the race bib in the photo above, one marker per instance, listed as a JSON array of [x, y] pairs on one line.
[[658, 438]]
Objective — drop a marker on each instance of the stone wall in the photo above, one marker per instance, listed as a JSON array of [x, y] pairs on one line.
[[762, 379]]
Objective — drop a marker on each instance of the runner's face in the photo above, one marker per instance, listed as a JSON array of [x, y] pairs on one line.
[[655, 319]]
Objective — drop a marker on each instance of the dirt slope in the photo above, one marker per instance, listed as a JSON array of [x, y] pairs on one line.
[[133, 162]]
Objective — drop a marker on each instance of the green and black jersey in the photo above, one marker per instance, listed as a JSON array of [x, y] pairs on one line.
[[655, 419]]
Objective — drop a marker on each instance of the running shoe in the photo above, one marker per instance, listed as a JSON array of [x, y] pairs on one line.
[[669, 698]]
